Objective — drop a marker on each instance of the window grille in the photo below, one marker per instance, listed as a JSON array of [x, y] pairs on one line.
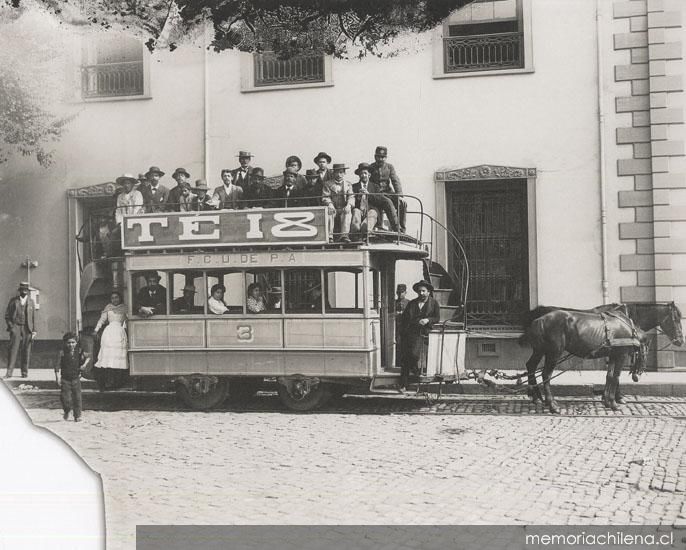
[[303, 69]]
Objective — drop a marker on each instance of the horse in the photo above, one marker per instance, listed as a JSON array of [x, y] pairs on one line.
[[613, 331]]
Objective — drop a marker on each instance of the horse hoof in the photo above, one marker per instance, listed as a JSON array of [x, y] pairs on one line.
[[555, 409], [620, 400], [634, 377]]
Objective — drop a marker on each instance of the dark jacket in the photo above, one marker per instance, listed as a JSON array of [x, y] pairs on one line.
[[244, 182], [158, 301], [154, 202], [412, 331], [313, 194], [13, 312], [386, 178], [257, 194], [294, 199], [173, 199]]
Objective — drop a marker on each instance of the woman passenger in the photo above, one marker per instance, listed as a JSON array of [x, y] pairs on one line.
[[256, 300], [215, 303]]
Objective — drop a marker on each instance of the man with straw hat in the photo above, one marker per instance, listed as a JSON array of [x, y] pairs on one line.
[[201, 200], [130, 200]]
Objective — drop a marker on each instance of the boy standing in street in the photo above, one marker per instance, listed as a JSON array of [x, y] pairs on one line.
[[72, 360]]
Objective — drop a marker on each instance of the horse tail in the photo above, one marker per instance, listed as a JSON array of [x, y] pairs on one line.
[[527, 320]]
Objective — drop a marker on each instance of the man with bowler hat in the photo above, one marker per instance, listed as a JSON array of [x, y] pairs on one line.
[[384, 177], [186, 303], [241, 175], [20, 319], [417, 319], [365, 215], [152, 298], [154, 193], [182, 178], [337, 196], [256, 193], [201, 200]]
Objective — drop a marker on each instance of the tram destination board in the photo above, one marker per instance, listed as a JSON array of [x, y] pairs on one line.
[[252, 227]]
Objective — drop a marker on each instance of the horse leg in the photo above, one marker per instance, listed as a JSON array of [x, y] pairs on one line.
[[548, 367], [614, 367], [619, 398], [533, 390]]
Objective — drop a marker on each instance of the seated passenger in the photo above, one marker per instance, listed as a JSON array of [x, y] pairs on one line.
[[186, 198], [386, 181], [182, 178], [338, 197], [288, 195], [228, 195], [313, 189], [215, 302], [275, 297], [256, 300], [151, 299], [365, 216], [256, 193], [186, 303], [201, 200], [294, 164]]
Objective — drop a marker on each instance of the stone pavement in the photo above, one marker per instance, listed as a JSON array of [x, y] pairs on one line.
[[378, 461]]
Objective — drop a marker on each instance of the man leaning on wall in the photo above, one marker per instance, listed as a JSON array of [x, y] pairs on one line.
[[20, 319]]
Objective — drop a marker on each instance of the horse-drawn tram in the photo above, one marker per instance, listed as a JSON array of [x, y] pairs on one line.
[[220, 301]]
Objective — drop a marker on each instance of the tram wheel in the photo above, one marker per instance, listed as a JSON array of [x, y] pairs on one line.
[[200, 392], [303, 394], [243, 389]]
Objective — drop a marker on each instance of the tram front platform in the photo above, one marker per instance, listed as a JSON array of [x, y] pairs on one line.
[[570, 383]]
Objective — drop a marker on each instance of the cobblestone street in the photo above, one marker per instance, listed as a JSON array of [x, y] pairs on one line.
[[372, 461]]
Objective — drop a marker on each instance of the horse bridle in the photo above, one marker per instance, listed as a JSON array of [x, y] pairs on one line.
[[671, 314]]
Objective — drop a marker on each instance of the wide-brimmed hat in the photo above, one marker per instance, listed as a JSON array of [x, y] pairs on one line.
[[25, 285], [381, 150], [257, 172], [189, 288], [125, 177], [322, 155], [363, 166], [311, 173], [425, 284], [340, 166], [152, 275], [200, 185], [244, 154], [181, 171], [154, 170]]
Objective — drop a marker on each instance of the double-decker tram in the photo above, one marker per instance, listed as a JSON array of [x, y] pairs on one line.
[[244, 296]]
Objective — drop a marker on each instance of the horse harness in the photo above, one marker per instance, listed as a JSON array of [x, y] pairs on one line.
[[639, 348]]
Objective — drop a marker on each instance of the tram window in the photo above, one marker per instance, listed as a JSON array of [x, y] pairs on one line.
[[303, 289], [234, 294], [149, 291], [187, 291], [263, 291], [344, 291]]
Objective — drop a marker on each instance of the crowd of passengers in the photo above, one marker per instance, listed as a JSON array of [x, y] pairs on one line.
[[353, 209]]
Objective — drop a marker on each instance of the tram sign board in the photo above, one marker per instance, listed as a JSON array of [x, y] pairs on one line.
[[253, 227]]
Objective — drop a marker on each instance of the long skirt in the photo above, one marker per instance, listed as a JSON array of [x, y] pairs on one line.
[[113, 345]]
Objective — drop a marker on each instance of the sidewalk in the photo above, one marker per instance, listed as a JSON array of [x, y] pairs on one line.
[[570, 383]]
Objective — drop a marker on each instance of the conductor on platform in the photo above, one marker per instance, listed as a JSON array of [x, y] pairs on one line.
[[20, 319]]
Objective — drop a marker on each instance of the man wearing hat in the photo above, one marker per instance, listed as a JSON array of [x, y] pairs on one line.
[[241, 175], [294, 164], [154, 193], [400, 305], [324, 173], [201, 200], [256, 193], [129, 200], [417, 319], [182, 178], [288, 195], [186, 303], [384, 177], [20, 319], [151, 299], [313, 188], [365, 215], [337, 196]]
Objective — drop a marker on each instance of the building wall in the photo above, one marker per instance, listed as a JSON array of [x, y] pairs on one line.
[[546, 119]]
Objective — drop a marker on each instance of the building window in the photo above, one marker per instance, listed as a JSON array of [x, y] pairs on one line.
[[265, 71], [485, 35], [112, 67], [490, 218]]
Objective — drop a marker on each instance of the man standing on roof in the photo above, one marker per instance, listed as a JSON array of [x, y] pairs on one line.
[[241, 175], [385, 179], [154, 193]]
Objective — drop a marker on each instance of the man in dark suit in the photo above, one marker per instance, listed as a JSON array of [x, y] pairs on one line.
[[183, 179], [241, 175], [257, 194], [313, 189], [20, 319], [154, 193], [151, 299], [324, 173], [288, 195], [384, 177], [417, 319], [202, 201], [365, 212], [186, 303]]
